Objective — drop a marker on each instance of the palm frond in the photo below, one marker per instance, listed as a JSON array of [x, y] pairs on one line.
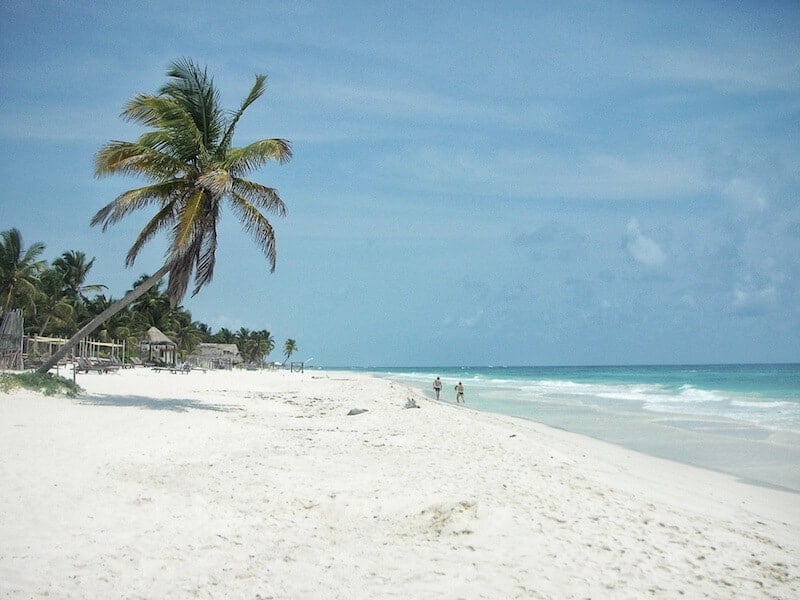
[[247, 158], [189, 215], [140, 109], [137, 159], [32, 253], [132, 200], [258, 226], [206, 260], [173, 119], [192, 88], [160, 222], [255, 93], [261, 196]]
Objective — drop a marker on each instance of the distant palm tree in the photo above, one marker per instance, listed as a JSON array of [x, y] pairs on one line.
[[116, 327], [225, 336], [19, 271], [255, 346], [74, 268], [189, 158], [54, 308], [266, 341], [289, 348], [184, 332], [204, 330], [151, 309]]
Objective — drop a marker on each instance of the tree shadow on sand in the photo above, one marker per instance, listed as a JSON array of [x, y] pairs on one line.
[[173, 404]]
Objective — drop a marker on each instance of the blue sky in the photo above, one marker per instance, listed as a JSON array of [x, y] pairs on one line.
[[526, 183]]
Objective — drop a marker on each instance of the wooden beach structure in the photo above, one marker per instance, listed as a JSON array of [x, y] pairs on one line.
[[216, 356], [11, 340], [158, 348], [113, 350]]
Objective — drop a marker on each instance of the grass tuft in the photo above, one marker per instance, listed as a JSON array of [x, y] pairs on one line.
[[49, 385]]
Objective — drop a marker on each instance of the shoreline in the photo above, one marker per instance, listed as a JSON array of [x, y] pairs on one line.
[[252, 484], [754, 453], [687, 463]]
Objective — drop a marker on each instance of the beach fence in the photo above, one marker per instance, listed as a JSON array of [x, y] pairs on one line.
[[11, 340], [113, 350], [39, 347]]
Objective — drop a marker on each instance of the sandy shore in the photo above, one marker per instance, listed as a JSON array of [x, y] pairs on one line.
[[259, 485]]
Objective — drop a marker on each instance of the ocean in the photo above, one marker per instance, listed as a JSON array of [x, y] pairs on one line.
[[743, 420]]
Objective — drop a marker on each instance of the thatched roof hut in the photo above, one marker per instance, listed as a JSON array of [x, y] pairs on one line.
[[216, 356], [158, 347]]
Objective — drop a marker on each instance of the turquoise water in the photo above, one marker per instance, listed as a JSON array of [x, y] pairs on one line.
[[739, 419]]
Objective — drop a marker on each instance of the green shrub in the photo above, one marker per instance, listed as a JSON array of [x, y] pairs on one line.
[[49, 385]]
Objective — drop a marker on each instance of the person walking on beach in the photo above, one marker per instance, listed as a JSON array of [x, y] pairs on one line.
[[437, 386], [459, 393]]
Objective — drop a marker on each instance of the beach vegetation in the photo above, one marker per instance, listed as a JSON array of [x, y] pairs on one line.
[[54, 312], [289, 348], [60, 308], [62, 298], [44, 383], [254, 346], [187, 155], [20, 269]]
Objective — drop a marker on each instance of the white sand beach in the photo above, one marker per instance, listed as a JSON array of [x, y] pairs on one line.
[[259, 485]]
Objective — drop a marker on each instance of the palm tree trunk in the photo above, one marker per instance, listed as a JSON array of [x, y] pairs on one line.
[[135, 293], [46, 322]]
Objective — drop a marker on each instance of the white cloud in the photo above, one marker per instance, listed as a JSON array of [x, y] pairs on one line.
[[727, 65], [419, 105], [469, 322], [746, 196], [220, 321], [533, 174], [751, 302], [643, 249]]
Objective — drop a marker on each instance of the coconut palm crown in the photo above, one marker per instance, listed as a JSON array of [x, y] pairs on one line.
[[194, 168], [289, 348], [19, 270], [188, 156]]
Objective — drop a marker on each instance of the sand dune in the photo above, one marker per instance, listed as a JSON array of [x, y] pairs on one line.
[[259, 485]]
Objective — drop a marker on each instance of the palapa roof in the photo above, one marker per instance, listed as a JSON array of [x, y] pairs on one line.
[[217, 350], [156, 338]]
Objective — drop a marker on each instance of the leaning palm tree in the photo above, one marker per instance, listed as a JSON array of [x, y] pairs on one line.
[[193, 167], [289, 348]]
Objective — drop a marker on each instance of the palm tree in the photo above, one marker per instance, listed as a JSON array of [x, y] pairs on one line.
[[116, 327], [266, 342], [225, 336], [289, 348], [74, 268], [54, 309], [189, 158], [184, 332], [19, 271], [205, 330], [151, 309]]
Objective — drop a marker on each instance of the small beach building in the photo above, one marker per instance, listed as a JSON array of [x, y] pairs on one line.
[[216, 356], [158, 348]]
